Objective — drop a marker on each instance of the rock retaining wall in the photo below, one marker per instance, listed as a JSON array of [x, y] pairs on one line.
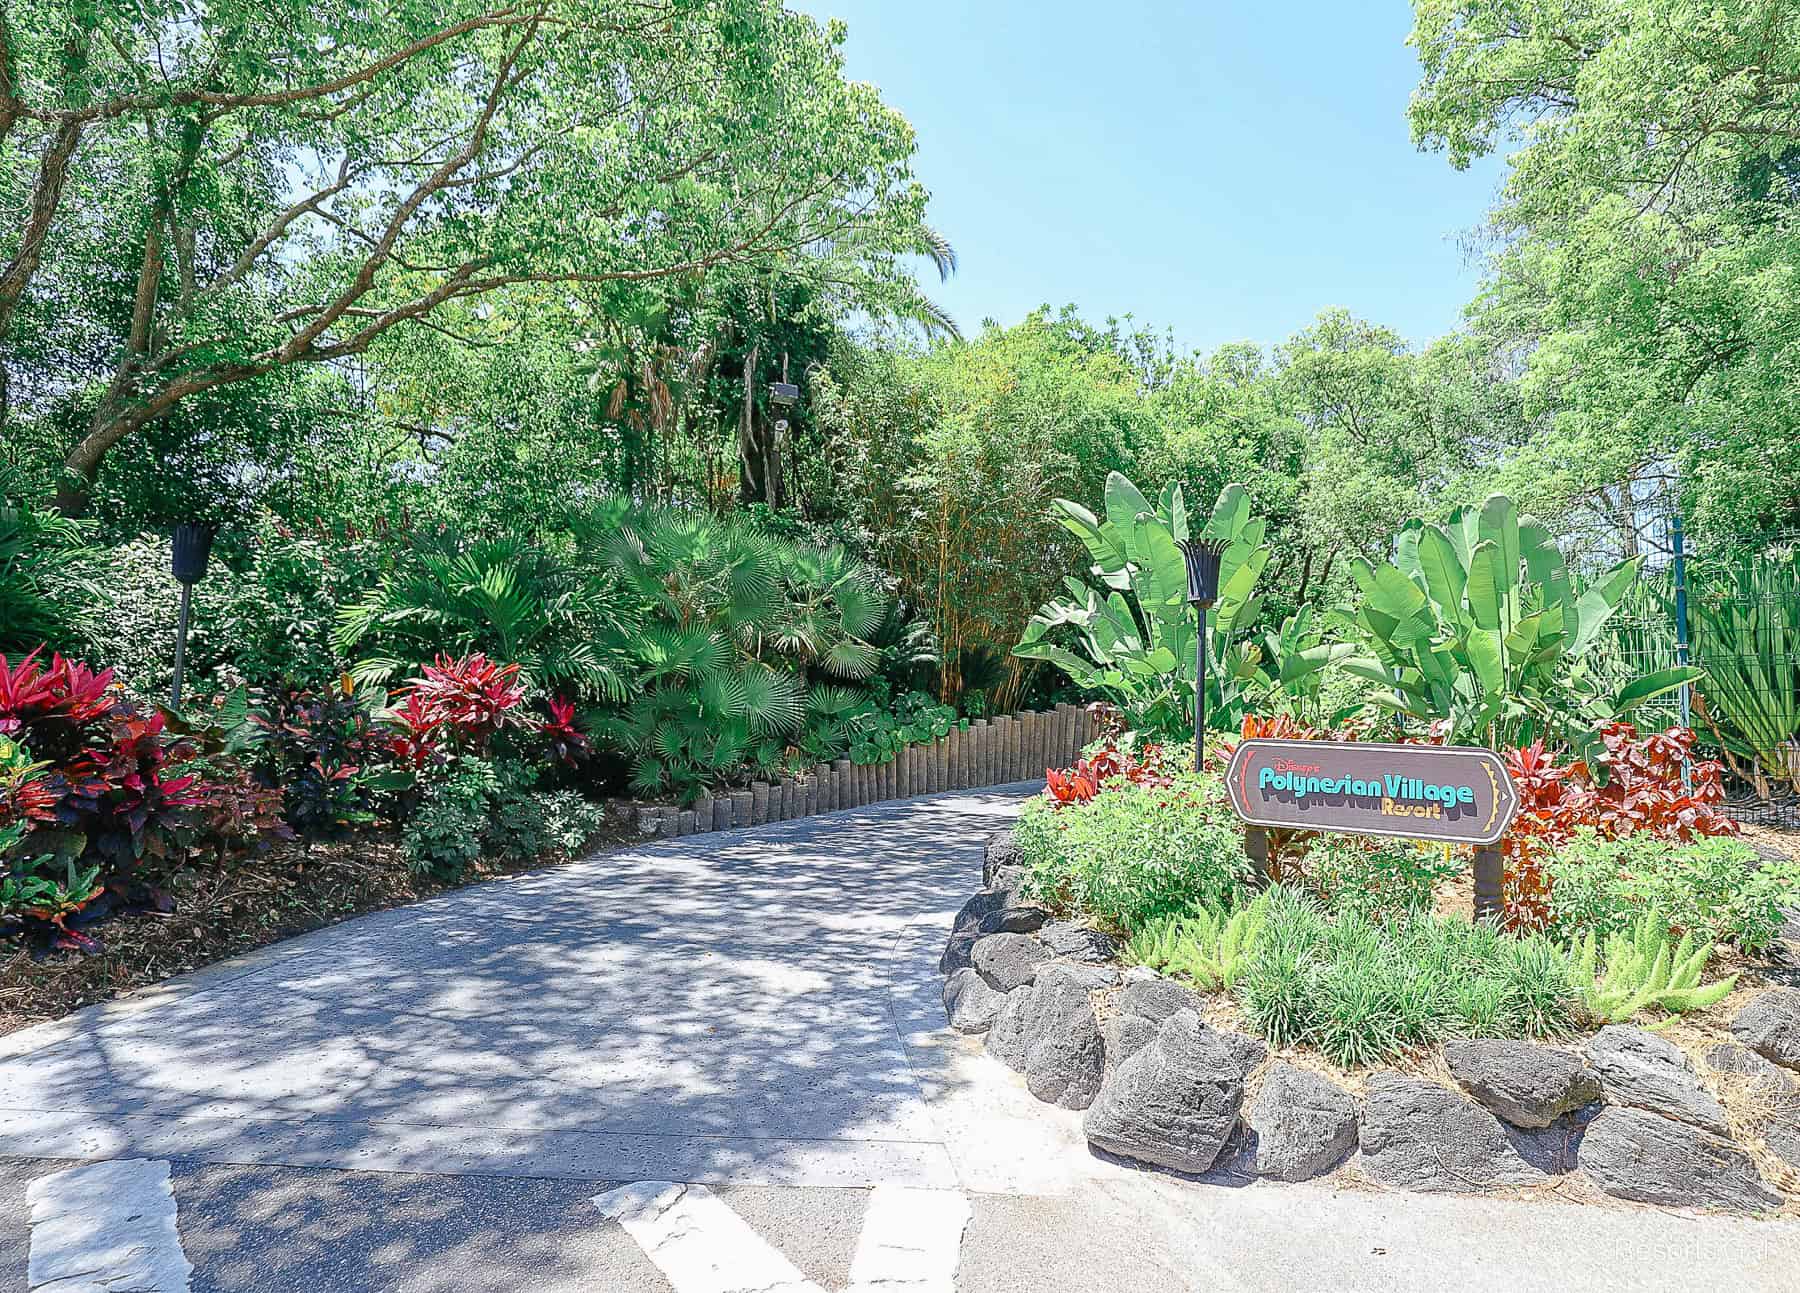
[[1011, 748], [1627, 1109]]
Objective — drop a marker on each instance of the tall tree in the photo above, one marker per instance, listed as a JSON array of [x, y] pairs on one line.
[[285, 182], [1646, 244]]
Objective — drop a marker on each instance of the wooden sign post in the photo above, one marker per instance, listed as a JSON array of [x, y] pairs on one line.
[[1451, 794]]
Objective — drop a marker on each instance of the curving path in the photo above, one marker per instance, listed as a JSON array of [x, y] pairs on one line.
[[712, 1009]]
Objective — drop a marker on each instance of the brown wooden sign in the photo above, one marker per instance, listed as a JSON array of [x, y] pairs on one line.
[[1456, 794]]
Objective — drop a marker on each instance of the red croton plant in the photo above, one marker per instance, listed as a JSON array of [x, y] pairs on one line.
[[100, 803], [1116, 757], [1639, 785]]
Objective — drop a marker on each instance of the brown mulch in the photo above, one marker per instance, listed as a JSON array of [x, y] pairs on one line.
[[225, 911]]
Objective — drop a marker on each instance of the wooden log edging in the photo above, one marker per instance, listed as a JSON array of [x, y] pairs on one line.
[[1001, 750]]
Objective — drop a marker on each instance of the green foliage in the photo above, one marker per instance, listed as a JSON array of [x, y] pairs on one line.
[[1363, 992], [1643, 971], [355, 170], [1747, 639], [1715, 887], [445, 833], [1478, 624], [542, 824], [44, 579], [744, 636], [947, 461], [1136, 633], [503, 596], [1648, 245], [1210, 947], [1379, 878], [1136, 852], [471, 807]]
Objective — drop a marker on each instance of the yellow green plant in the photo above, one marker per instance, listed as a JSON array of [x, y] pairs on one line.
[[1642, 970], [1206, 946]]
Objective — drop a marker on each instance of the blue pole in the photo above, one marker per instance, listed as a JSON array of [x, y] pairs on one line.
[[1679, 542]]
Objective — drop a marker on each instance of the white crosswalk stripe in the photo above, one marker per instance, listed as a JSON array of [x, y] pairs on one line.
[[106, 1227], [910, 1243], [699, 1244]]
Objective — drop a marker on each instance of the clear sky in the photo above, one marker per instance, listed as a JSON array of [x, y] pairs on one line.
[[1223, 168]]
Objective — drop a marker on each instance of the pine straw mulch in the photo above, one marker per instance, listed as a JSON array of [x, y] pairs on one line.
[[226, 911]]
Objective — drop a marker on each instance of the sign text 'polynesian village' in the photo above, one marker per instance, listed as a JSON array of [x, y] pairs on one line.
[[1458, 794]]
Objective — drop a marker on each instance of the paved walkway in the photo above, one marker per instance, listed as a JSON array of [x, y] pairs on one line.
[[494, 1090]]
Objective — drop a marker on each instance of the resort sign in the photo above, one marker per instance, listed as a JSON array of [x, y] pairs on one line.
[[1453, 794]]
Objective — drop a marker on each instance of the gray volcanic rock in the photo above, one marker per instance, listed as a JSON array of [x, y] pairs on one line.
[[1078, 942], [958, 951], [1174, 1103], [1635, 1154], [1048, 1032], [1139, 1012], [1770, 1026], [1000, 853], [971, 1004], [1421, 1136], [1647, 1072], [1301, 1123], [1008, 961], [1526, 1084]]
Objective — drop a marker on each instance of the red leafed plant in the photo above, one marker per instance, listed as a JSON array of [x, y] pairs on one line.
[[471, 698], [1145, 766], [1638, 787], [111, 802], [413, 734], [54, 703], [567, 742]]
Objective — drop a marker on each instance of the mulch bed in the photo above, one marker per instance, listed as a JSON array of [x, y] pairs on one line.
[[223, 912]]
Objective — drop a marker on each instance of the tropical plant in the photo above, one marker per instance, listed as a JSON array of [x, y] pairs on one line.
[[502, 596], [319, 749], [1642, 970], [1135, 852], [35, 548], [739, 629], [1209, 946], [1135, 634], [1650, 785], [1716, 888], [1747, 639], [102, 804], [1478, 626]]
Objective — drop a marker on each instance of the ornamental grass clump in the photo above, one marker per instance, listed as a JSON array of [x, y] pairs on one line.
[[1136, 852], [1362, 992]]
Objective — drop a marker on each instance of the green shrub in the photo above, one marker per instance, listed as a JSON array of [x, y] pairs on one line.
[[1135, 852], [1209, 947], [473, 807], [543, 823], [1373, 876], [1712, 887], [1362, 992], [1642, 971], [446, 833]]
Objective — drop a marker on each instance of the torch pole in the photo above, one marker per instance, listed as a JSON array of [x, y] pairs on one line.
[[1200, 694], [181, 633]]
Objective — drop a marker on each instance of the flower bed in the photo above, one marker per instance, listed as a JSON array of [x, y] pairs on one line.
[[1633, 1040]]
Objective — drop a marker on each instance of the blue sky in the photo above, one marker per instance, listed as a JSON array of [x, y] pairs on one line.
[[1222, 168]]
